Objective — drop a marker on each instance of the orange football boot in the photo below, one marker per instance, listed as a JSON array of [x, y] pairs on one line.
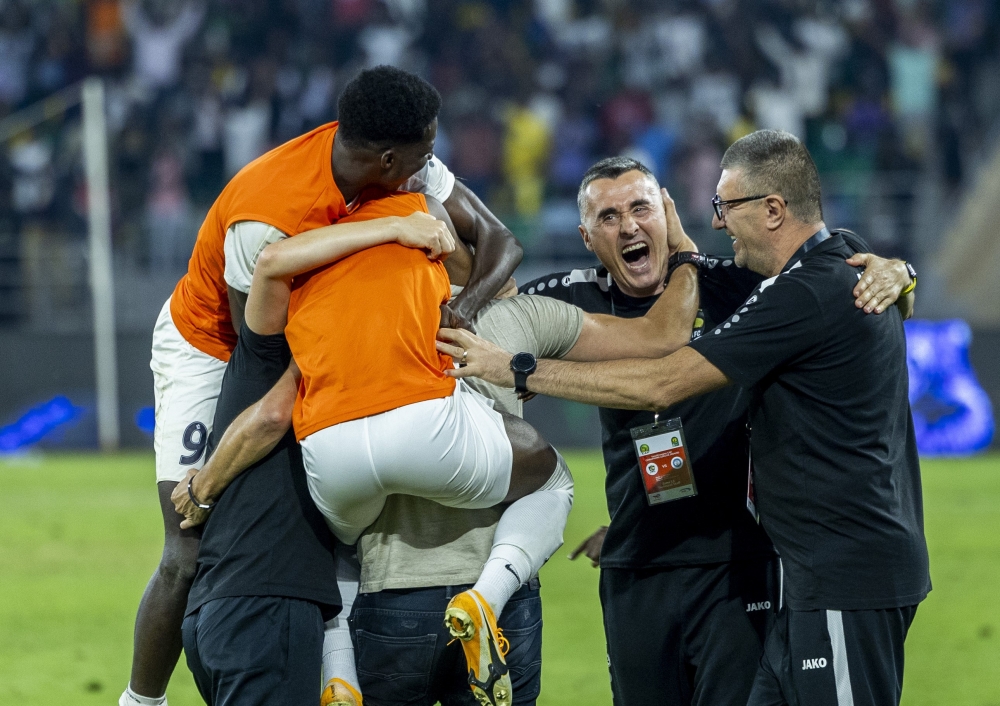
[[470, 619], [339, 693]]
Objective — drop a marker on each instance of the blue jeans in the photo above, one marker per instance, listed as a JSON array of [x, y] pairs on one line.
[[403, 655]]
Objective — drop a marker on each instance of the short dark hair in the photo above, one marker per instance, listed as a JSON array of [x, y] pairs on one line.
[[776, 162], [610, 168], [386, 106]]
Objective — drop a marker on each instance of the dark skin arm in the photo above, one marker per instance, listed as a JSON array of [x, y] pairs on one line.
[[497, 255], [591, 547]]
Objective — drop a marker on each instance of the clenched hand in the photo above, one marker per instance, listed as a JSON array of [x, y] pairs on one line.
[[425, 232]]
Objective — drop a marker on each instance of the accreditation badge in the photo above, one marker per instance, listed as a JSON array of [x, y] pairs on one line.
[[663, 461]]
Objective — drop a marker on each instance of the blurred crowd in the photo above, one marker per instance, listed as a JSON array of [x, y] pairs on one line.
[[534, 92]]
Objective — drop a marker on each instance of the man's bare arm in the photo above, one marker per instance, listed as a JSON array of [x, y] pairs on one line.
[[629, 384], [665, 328], [497, 254], [621, 384], [250, 437]]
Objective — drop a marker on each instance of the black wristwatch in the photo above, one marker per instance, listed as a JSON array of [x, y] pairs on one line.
[[523, 365], [685, 257]]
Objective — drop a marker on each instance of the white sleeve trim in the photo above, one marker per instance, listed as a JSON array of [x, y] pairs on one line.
[[435, 179], [244, 242]]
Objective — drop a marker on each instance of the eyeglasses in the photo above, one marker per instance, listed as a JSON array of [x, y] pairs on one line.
[[718, 203]]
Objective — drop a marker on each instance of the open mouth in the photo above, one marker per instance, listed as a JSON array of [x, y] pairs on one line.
[[636, 256]]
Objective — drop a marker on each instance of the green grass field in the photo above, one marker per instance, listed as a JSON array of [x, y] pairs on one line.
[[80, 535]]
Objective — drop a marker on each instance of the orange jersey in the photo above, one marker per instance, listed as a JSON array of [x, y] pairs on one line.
[[362, 330], [291, 188]]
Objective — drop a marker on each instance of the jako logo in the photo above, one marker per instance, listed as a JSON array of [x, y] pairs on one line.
[[814, 663], [751, 607]]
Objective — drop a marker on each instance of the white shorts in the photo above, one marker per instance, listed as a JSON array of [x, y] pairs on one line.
[[186, 384], [452, 450]]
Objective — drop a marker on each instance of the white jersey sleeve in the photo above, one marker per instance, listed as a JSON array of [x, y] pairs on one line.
[[435, 179], [244, 242]]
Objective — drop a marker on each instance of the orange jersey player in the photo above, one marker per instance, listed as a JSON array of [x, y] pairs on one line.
[[383, 142]]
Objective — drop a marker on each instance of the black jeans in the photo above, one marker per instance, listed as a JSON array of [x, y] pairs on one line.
[[403, 655], [255, 651]]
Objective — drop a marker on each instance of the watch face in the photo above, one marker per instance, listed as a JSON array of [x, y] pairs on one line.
[[523, 363]]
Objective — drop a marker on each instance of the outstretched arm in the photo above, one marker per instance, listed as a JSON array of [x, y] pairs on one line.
[[250, 437], [622, 384], [497, 255], [267, 304], [665, 327]]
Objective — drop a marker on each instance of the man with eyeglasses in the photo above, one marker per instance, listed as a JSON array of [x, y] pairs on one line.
[[687, 585]]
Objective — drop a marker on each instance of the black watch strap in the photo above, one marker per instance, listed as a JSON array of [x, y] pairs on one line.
[[522, 365], [685, 257]]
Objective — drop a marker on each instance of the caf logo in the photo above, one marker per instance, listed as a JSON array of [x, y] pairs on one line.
[[644, 448], [677, 462], [675, 441], [651, 469]]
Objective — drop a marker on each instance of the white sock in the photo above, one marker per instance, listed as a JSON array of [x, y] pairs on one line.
[[529, 532], [338, 650], [130, 698], [501, 576]]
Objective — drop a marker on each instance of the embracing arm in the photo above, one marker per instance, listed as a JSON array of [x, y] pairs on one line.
[[267, 304], [629, 384], [248, 439], [621, 384], [665, 328], [322, 246], [497, 253]]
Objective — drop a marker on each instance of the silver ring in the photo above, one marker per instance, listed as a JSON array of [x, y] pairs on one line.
[[465, 354]]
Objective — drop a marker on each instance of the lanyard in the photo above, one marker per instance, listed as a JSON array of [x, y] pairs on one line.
[[814, 240]]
